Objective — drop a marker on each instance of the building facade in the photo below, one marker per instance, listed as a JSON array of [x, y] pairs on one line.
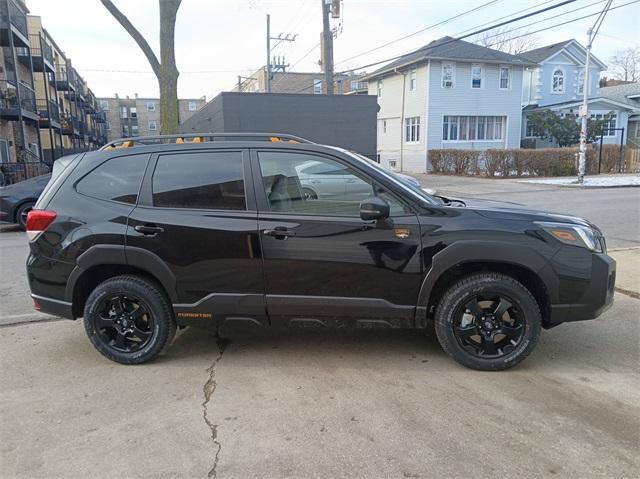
[[448, 94], [46, 109], [300, 82], [139, 116]]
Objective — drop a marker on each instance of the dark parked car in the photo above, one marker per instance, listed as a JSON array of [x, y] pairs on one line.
[[16, 200], [149, 236]]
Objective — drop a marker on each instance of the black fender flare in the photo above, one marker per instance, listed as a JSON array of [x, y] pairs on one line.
[[127, 256], [472, 251]]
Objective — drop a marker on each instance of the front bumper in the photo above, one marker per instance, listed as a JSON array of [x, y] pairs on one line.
[[597, 296]]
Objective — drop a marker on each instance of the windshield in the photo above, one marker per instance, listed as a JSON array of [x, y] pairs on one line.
[[424, 196]]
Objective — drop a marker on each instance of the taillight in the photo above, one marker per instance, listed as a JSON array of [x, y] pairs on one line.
[[38, 221]]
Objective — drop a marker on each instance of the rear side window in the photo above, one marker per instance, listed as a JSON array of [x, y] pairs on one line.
[[208, 180], [117, 179]]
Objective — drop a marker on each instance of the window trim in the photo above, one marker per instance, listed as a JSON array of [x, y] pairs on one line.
[[509, 70], [145, 196], [481, 66], [413, 125]]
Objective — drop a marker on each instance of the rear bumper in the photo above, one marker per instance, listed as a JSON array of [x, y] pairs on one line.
[[597, 297], [52, 306]]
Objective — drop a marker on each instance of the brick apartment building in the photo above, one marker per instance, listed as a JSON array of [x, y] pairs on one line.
[[141, 116]]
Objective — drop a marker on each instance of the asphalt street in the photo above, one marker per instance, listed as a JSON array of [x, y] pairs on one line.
[[326, 404]]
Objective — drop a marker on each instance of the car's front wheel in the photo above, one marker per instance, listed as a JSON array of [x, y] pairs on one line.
[[129, 319], [488, 321]]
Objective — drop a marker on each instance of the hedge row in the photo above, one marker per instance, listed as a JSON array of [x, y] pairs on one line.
[[521, 162]]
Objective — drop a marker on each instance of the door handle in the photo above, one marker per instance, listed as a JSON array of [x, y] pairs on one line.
[[149, 229], [279, 232]]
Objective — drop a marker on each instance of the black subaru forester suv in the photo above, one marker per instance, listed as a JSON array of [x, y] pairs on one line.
[[151, 234]]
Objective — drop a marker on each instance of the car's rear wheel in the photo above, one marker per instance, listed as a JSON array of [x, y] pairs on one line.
[[129, 319], [488, 321], [309, 194], [21, 214]]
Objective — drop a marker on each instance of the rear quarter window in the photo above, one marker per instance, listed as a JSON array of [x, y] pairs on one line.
[[117, 179]]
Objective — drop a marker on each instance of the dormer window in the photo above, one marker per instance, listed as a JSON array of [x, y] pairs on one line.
[[557, 81], [447, 75]]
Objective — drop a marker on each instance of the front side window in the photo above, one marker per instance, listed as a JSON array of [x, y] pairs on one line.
[[505, 78], [317, 86], [309, 184], [413, 82], [447, 75], [412, 129], [209, 180], [476, 76], [557, 81], [117, 179]]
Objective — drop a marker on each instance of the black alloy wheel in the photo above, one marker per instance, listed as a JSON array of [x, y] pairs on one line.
[[488, 325], [22, 213], [124, 322]]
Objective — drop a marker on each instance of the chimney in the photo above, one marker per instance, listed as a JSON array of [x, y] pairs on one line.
[[116, 95], [136, 95]]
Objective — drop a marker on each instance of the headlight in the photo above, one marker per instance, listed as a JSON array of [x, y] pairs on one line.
[[575, 235]]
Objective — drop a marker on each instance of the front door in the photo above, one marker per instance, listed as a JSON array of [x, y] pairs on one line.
[[323, 265]]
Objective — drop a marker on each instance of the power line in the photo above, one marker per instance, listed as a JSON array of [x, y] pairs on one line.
[[476, 32], [151, 72], [420, 31]]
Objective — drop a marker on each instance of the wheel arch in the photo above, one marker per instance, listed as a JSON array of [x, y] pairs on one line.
[[461, 259]]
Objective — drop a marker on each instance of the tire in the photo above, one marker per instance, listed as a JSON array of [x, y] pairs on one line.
[[128, 319], [21, 214], [309, 194], [488, 321]]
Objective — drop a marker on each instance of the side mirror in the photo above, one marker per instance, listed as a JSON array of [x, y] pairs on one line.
[[374, 208]]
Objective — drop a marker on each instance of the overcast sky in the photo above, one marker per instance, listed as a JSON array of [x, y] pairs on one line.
[[217, 40]]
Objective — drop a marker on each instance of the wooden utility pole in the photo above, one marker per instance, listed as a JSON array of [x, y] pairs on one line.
[[327, 51], [267, 82]]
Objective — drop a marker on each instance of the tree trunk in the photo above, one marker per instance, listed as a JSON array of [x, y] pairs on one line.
[[168, 78]]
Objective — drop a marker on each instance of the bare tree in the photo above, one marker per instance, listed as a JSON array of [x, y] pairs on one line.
[[502, 39], [625, 65], [165, 69]]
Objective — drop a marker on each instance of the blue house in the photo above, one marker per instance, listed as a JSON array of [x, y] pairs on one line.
[[447, 94], [557, 84]]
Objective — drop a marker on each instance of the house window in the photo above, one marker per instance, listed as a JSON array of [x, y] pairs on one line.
[[354, 85], [476, 76], [104, 105], [134, 112], [34, 149], [557, 81], [412, 129], [193, 106], [123, 112], [531, 131], [505, 78], [413, 82], [609, 126], [384, 126], [125, 130], [151, 106], [380, 88], [153, 125], [471, 128], [134, 130], [317, 86], [108, 126], [447, 75], [4, 151]]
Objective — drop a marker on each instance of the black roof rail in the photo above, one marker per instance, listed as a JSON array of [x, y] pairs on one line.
[[200, 138]]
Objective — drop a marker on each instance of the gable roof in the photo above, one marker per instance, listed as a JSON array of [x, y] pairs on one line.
[[539, 55], [448, 48], [621, 94]]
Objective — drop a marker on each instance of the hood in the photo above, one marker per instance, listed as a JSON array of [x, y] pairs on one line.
[[504, 210]]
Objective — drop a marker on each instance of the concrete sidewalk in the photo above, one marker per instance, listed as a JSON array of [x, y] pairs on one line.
[[628, 271]]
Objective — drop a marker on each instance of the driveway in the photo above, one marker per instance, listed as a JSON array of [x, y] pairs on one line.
[[323, 404]]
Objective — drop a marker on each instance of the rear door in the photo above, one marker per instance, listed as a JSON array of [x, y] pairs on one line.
[[197, 216]]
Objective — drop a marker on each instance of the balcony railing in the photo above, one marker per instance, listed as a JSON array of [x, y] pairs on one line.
[[28, 166], [36, 51], [48, 110], [11, 13], [9, 96]]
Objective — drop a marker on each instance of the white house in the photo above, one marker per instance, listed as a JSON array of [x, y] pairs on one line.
[[447, 94], [557, 84]]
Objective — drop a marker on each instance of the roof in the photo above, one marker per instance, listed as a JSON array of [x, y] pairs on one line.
[[628, 105], [448, 48], [621, 94], [538, 55]]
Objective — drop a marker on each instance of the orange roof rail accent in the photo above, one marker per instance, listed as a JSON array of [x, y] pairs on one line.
[[110, 147], [293, 141], [127, 144], [198, 139], [179, 140], [274, 139]]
